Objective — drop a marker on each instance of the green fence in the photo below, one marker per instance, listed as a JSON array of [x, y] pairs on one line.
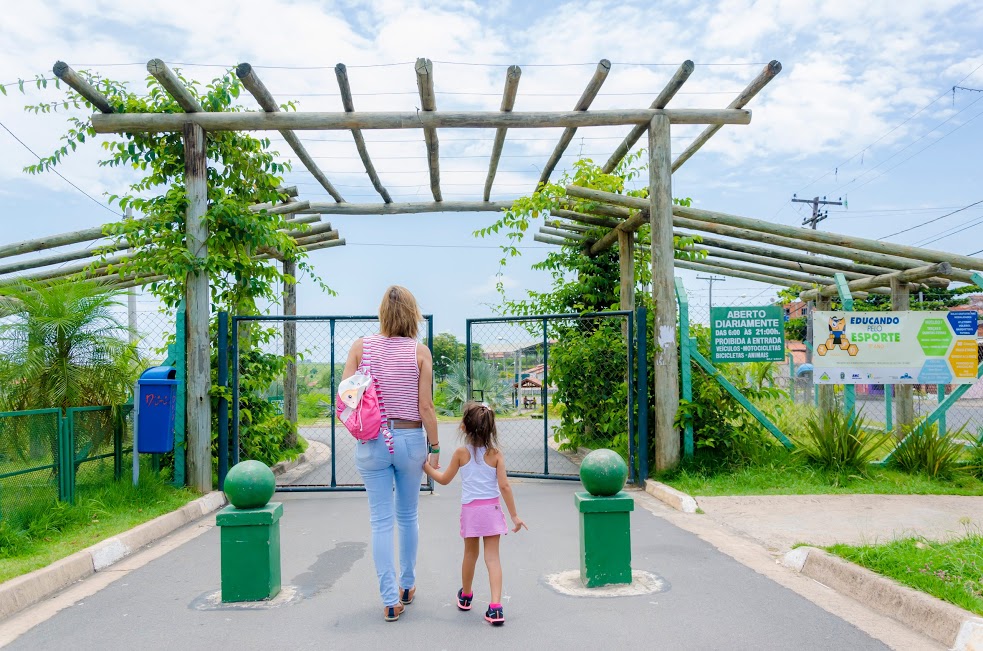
[[49, 455]]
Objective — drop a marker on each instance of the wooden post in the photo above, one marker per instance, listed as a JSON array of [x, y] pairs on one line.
[[826, 397], [666, 372], [199, 367], [290, 347], [626, 262], [428, 103], [904, 394], [131, 299]]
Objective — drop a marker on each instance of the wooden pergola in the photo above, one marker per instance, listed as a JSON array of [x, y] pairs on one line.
[[656, 121]]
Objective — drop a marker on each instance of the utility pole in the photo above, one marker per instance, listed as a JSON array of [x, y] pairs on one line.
[[711, 279], [817, 216]]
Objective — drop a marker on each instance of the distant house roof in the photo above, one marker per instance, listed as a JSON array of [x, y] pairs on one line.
[[798, 350]]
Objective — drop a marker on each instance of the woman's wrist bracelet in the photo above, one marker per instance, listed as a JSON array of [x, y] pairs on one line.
[[433, 447]]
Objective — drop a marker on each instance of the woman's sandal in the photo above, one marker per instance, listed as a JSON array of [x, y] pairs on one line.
[[407, 595], [392, 613]]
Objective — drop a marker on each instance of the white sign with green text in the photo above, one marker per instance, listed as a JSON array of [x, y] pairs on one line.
[[894, 347]]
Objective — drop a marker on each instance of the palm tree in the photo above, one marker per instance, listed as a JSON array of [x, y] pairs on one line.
[[484, 378], [63, 347]]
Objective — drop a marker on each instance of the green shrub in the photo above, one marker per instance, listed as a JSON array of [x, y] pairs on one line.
[[924, 449], [838, 441], [312, 406]]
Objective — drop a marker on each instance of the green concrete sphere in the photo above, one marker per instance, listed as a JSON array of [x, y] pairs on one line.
[[249, 485], [603, 473]]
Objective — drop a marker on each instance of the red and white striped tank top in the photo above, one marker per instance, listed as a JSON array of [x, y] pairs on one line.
[[392, 362]]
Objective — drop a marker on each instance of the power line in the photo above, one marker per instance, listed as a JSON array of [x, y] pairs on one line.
[[60, 175], [975, 203], [965, 226], [892, 130]]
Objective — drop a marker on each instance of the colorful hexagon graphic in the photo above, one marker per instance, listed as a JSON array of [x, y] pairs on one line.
[[821, 349], [963, 358], [934, 337], [935, 371], [853, 350]]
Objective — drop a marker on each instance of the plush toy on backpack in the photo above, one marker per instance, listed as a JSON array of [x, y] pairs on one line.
[[361, 410]]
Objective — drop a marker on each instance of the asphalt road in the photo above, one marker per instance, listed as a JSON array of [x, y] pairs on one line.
[[712, 601]]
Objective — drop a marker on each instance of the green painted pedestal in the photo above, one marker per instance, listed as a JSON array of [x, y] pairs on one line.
[[250, 552], [605, 538]]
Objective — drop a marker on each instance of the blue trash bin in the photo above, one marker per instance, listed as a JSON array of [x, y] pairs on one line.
[[155, 420]]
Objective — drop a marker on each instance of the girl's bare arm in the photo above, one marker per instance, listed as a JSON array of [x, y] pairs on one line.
[[444, 478], [506, 488]]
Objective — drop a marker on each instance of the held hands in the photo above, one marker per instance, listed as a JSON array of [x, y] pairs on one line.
[[433, 460], [518, 524]]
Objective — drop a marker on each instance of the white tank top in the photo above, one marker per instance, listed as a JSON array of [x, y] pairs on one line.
[[479, 481]]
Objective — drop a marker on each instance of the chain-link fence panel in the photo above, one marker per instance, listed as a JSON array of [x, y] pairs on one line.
[[102, 438], [557, 384], [30, 464], [322, 456]]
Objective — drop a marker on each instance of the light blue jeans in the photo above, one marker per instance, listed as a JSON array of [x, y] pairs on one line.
[[381, 472]]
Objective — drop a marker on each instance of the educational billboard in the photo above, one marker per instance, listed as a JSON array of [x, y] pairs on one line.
[[747, 334], [894, 347]]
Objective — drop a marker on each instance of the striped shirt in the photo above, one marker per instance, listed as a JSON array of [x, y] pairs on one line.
[[392, 362]]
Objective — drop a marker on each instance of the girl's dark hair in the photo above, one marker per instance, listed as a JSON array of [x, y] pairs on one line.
[[478, 426]]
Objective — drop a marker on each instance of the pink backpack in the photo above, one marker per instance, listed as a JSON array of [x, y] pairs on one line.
[[361, 409]]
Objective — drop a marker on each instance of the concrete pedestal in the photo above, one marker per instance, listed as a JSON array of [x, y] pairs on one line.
[[250, 552], [605, 538]]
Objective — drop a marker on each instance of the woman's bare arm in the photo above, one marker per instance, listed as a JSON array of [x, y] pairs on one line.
[[506, 489], [354, 359], [428, 414]]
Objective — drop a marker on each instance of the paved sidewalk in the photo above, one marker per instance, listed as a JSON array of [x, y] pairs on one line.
[[712, 602], [781, 521]]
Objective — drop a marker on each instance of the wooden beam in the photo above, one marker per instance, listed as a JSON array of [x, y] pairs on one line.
[[546, 239], [777, 263], [327, 244], [661, 101], [802, 279], [886, 280], [546, 230], [323, 227], [590, 92], [791, 256], [665, 377], [428, 104], [283, 208], [81, 86], [263, 97], [856, 248], [407, 208], [81, 254], [325, 121], [584, 218], [197, 294], [770, 72], [757, 276], [508, 103], [317, 238], [826, 237], [341, 72], [174, 86], [52, 241]]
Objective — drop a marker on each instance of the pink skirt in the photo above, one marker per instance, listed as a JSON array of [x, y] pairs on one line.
[[481, 518]]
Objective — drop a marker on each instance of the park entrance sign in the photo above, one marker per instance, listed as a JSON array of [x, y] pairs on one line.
[[747, 334], [895, 347]]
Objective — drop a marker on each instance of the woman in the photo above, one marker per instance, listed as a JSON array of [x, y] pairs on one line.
[[403, 369]]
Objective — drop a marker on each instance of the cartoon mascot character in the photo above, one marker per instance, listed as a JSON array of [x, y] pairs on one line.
[[837, 338]]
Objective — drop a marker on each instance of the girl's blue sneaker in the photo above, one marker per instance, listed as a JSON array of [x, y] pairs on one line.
[[495, 615], [463, 600]]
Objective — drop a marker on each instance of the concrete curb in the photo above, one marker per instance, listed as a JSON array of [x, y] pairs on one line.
[[670, 496], [950, 625], [24, 591]]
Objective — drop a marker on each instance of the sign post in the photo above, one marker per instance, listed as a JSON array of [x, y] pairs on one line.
[[747, 334]]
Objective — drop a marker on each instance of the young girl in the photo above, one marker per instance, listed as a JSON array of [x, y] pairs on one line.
[[483, 480]]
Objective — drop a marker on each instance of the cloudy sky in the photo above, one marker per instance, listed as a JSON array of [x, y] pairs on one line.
[[864, 109]]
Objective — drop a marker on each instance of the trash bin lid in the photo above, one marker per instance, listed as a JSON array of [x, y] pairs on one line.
[[159, 373], [802, 370]]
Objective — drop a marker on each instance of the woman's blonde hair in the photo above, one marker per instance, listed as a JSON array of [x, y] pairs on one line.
[[399, 315]]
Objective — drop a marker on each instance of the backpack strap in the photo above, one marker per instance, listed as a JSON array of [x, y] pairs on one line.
[[367, 366]]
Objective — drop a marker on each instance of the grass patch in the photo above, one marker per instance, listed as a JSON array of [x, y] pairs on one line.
[[951, 570], [34, 537], [794, 477]]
